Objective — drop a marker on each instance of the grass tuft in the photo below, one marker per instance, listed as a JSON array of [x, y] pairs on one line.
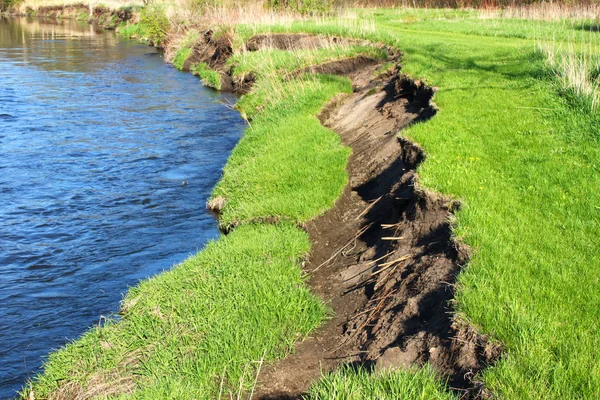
[[209, 77]]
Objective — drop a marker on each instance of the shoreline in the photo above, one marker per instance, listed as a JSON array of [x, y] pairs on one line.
[[474, 156], [414, 95]]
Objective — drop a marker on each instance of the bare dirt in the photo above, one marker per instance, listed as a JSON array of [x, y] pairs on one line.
[[383, 258]]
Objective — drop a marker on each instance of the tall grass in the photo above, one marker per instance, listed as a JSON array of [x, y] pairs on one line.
[[577, 74], [547, 11], [576, 65]]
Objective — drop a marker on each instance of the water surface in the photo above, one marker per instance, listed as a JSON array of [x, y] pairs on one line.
[[107, 156]]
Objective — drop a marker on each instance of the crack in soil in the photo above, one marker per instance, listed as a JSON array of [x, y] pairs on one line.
[[384, 257]]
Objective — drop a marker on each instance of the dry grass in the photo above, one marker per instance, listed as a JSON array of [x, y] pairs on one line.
[[544, 11], [227, 14], [576, 70]]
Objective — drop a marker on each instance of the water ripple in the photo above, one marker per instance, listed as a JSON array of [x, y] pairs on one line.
[[96, 137]]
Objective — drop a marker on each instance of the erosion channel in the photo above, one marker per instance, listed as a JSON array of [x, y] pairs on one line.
[[384, 257]]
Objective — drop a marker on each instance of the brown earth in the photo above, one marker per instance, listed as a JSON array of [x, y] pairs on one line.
[[215, 51], [383, 258]]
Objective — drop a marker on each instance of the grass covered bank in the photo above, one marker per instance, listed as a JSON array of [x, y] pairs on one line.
[[518, 147], [198, 330], [203, 329]]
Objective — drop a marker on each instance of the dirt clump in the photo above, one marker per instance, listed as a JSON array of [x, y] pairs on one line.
[[384, 257], [214, 52]]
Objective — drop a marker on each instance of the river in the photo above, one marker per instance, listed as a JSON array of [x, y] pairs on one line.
[[107, 156]]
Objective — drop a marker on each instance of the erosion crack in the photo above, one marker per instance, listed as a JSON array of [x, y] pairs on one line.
[[391, 289]]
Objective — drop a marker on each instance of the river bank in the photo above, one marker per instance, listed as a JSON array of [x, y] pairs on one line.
[[303, 205], [105, 17], [289, 169]]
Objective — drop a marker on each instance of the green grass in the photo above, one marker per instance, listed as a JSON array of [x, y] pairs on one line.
[[180, 57], [215, 315], [267, 62], [287, 166], [133, 31], [519, 150], [209, 77], [524, 161], [355, 384]]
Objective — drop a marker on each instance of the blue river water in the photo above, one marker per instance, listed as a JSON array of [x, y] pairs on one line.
[[107, 157]]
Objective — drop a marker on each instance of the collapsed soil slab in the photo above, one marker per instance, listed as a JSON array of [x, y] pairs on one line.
[[384, 257]]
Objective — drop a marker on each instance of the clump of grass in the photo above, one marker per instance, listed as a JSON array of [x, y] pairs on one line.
[[180, 57], [287, 166], [133, 31], [200, 328], [576, 71], [209, 77], [356, 383]]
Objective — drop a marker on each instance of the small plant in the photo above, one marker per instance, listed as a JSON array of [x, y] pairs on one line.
[[131, 31], [577, 72], [180, 57]]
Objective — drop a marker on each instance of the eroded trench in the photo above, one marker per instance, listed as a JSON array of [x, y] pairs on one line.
[[384, 258]]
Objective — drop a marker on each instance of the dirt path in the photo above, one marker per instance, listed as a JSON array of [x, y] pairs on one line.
[[383, 258]]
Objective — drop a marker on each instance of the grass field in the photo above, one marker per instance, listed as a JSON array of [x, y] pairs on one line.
[[515, 140], [524, 160]]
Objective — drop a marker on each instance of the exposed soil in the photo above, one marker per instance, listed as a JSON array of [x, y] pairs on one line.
[[383, 258], [214, 52]]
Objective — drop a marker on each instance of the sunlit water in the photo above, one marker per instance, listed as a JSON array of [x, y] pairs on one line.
[[98, 138]]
